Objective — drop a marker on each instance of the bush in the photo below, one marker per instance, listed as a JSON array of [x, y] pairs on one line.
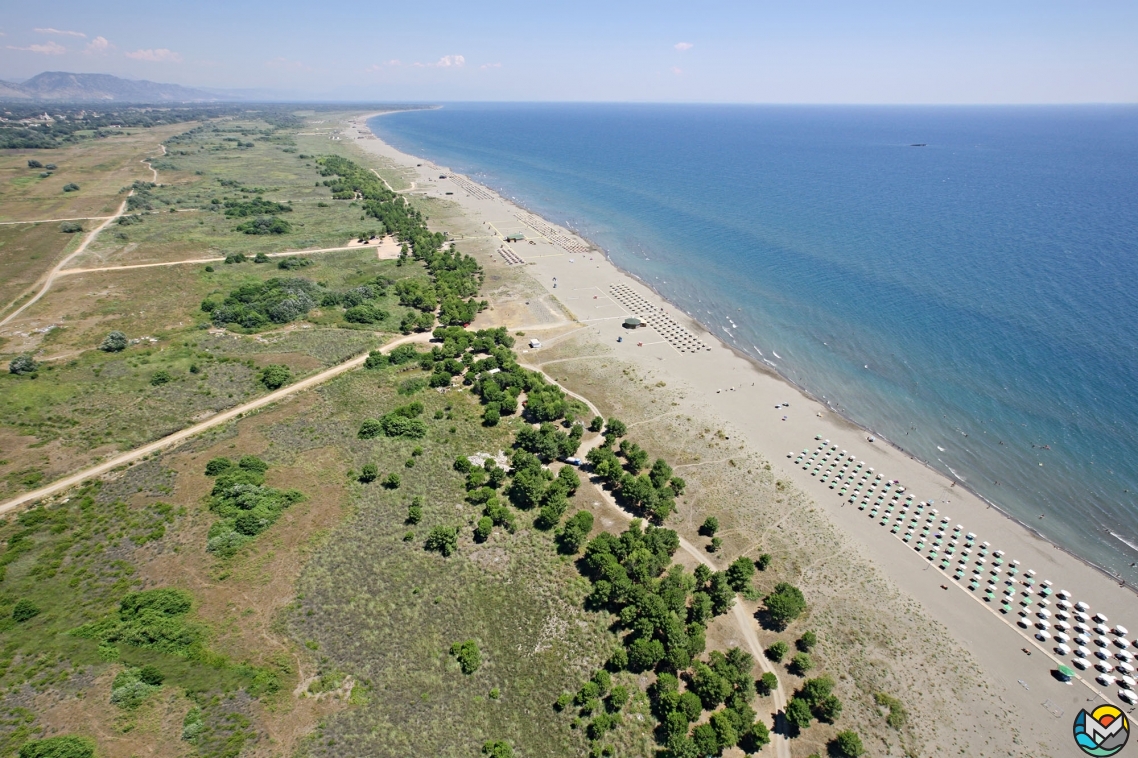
[[151, 675], [709, 526], [443, 539], [392, 481], [72, 187], [264, 225], [64, 746], [498, 749], [24, 610], [370, 473], [275, 376], [847, 745], [115, 342], [483, 529], [218, 466], [22, 364], [34, 164], [740, 573], [806, 642], [763, 561], [375, 359], [798, 713], [260, 258], [801, 663], [777, 651], [160, 377], [414, 512], [70, 227], [767, 683], [468, 656]]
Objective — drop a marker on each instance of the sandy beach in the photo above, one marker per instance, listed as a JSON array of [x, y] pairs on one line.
[[711, 387]]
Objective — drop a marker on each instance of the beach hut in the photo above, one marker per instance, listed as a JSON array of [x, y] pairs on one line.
[[1065, 674]]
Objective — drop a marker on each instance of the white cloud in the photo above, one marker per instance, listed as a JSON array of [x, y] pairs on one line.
[[683, 47], [158, 55], [98, 45], [677, 70], [50, 48], [63, 32], [490, 65], [447, 61]]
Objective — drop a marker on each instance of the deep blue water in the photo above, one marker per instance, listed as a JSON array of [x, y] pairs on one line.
[[971, 300]]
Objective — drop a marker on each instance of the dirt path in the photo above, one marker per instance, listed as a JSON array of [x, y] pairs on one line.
[[742, 619], [177, 438], [51, 220], [70, 271]]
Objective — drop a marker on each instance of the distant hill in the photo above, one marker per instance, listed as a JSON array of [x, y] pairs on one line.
[[60, 86]]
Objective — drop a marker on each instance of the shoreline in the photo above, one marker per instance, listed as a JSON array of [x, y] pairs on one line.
[[702, 378], [770, 370]]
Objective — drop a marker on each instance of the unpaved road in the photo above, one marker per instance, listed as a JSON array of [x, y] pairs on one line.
[[176, 438], [70, 271]]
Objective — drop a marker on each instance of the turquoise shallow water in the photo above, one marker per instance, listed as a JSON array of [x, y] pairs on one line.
[[974, 300]]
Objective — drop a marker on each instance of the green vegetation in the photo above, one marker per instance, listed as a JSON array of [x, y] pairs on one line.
[[64, 746], [264, 225], [784, 604], [468, 656], [259, 304], [115, 342], [274, 376], [22, 365], [777, 651], [847, 744], [246, 506], [897, 716], [70, 227], [256, 206]]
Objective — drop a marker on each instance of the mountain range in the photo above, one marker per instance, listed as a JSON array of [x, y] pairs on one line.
[[60, 86]]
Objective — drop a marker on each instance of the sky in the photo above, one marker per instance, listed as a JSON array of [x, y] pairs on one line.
[[806, 51]]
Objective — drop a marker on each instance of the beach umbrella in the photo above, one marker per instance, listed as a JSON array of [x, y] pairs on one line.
[[1063, 650], [1128, 695], [1125, 667], [1062, 603], [1044, 613], [1061, 625], [1064, 594], [999, 553], [1121, 631], [1122, 655], [1061, 615], [1129, 681], [1061, 637], [1100, 629], [1081, 651], [1082, 617], [1031, 572], [1100, 618], [1082, 606], [985, 544], [1104, 680], [1122, 642], [1104, 667], [1044, 601], [970, 536], [1043, 624], [1102, 642], [1043, 634]]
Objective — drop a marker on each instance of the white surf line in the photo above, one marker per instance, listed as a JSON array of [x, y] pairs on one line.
[[984, 604], [53, 220], [70, 271], [182, 435]]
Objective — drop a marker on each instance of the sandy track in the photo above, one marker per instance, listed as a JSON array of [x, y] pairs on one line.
[[52, 220], [70, 271], [177, 438]]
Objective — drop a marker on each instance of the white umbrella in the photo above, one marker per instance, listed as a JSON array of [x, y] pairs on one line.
[[1043, 624], [1081, 651], [1043, 634], [1062, 604], [1044, 614], [1024, 623], [1121, 631], [970, 536], [1100, 618], [1082, 606], [1102, 642], [1100, 629], [1031, 572], [1061, 637], [1082, 617], [1105, 680], [1105, 668], [1061, 615], [1062, 625], [985, 544], [1125, 667], [1044, 602], [1128, 695], [1129, 681], [1046, 582], [1102, 655], [1064, 594], [1062, 649], [957, 528], [1122, 655], [1122, 642], [1079, 663]]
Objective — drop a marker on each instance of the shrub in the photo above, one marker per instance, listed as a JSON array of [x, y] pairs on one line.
[[498, 749], [491, 415], [218, 466], [847, 745], [151, 675], [375, 359], [443, 539], [740, 573], [70, 227], [128, 690], [22, 364], [483, 529], [763, 561], [709, 526], [767, 683], [24, 610], [72, 187], [260, 258], [468, 656], [798, 713], [801, 663], [806, 642], [414, 512], [290, 263], [264, 225], [32, 163], [369, 473], [392, 481], [370, 429], [777, 651], [65, 746], [274, 376], [596, 424], [160, 377], [115, 342]]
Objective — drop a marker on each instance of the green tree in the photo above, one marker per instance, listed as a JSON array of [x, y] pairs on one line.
[[777, 651], [468, 656], [369, 473], [160, 377], [828, 709], [614, 429], [755, 738], [807, 642], [392, 481], [709, 526], [22, 364], [443, 539], [740, 573], [151, 675], [115, 342], [483, 529], [491, 415], [767, 683], [275, 376], [763, 561], [575, 532], [784, 604], [618, 698], [801, 663], [415, 511], [706, 740], [798, 713], [847, 744], [596, 424]]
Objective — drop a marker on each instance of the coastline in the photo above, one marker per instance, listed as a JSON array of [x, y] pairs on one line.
[[892, 556]]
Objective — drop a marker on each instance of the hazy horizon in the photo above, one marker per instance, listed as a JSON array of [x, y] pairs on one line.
[[820, 52]]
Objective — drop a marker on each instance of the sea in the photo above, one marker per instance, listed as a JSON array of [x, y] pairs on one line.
[[962, 281]]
